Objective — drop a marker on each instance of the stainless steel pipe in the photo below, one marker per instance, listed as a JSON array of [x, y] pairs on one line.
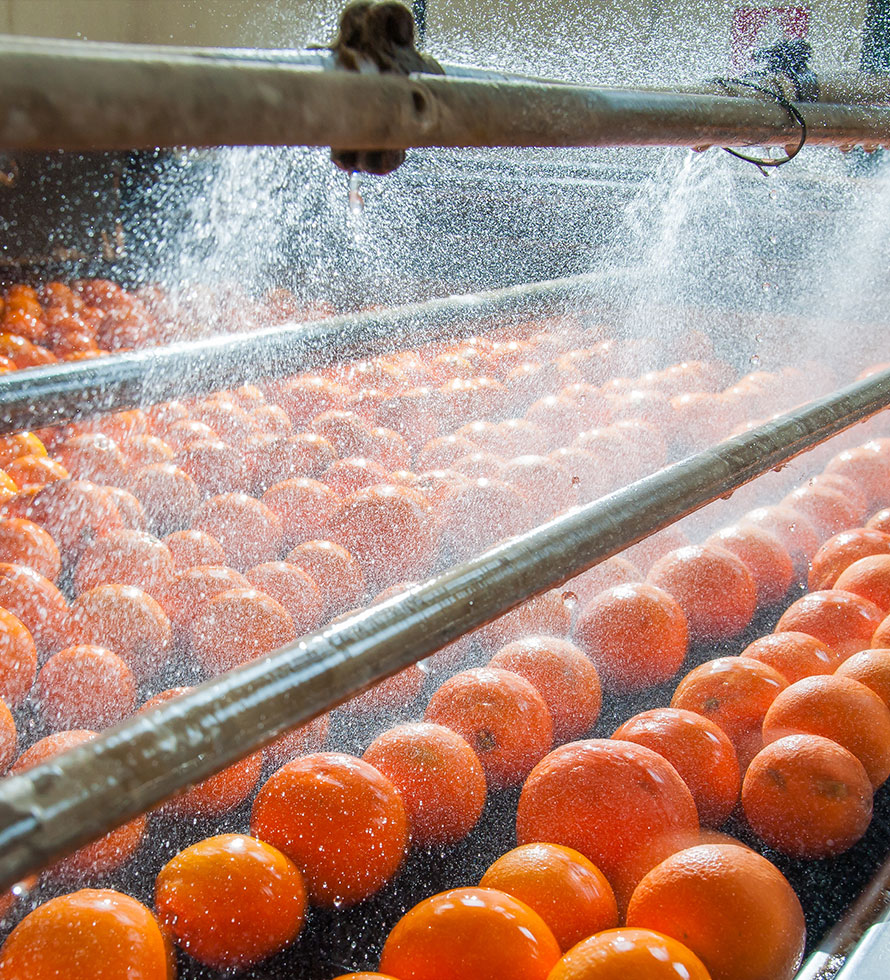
[[59, 806], [87, 97]]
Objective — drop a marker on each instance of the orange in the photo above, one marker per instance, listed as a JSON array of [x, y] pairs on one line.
[[130, 511], [880, 521], [293, 588], [92, 456], [442, 453], [807, 797], [364, 975], [840, 551], [103, 855], [635, 634], [714, 589], [339, 819], [838, 708], [334, 570], [125, 557], [871, 668], [85, 687], [74, 513], [36, 603], [868, 469], [128, 622], [15, 444], [391, 532], [168, 494], [700, 752], [200, 900], [829, 511], [145, 450], [588, 476], [844, 621], [299, 741], [501, 715], [18, 659], [869, 578], [607, 574], [190, 548], [303, 507], [470, 932], [219, 793], [479, 514], [623, 806], [305, 455], [548, 488], [569, 893], [629, 954], [438, 776], [92, 934], [849, 490], [236, 626], [393, 693], [547, 614], [248, 530], [734, 693], [347, 476], [794, 655], [25, 543], [796, 533], [8, 740], [733, 908], [562, 675], [35, 471], [765, 557], [215, 466], [191, 588]]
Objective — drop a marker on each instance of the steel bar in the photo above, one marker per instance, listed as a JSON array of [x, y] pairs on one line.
[[75, 797], [61, 393], [93, 98]]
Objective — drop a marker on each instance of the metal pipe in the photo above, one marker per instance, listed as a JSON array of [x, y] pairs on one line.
[[77, 796], [92, 99], [61, 393]]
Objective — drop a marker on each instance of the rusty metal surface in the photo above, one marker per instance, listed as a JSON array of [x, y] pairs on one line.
[[55, 808], [89, 97]]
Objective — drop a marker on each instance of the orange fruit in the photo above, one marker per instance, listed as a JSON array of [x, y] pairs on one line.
[[339, 820], [74, 513], [606, 575], [562, 675], [794, 531], [549, 488], [215, 466], [840, 551], [217, 794], [35, 471], [623, 806], [92, 934], [807, 797], [501, 716], [130, 511], [794, 655], [125, 620], [191, 548], [733, 908], [236, 626], [25, 543], [36, 603], [347, 476], [765, 557], [629, 954], [829, 511], [391, 532], [293, 588], [168, 494], [880, 521], [871, 668], [438, 776], [842, 620], [200, 901], [299, 741], [635, 634], [304, 455], [545, 614], [714, 589], [92, 456], [869, 578], [479, 514], [249, 531], [18, 659], [125, 557], [85, 687], [8, 741], [393, 693], [470, 932], [15, 444], [334, 570], [364, 975], [698, 749], [734, 693], [645, 553], [303, 506], [106, 854], [838, 708], [569, 893], [145, 450], [868, 469]]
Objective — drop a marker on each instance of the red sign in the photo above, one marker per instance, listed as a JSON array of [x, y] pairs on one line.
[[757, 27]]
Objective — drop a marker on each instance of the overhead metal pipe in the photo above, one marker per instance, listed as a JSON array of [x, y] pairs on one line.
[[64, 392], [62, 804], [90, 97]]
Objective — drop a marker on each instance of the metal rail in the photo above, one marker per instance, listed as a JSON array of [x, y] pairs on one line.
[[84, 793], [60, 393], [87, 97]]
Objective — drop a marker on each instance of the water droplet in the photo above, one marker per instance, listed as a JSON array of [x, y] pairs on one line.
[[356, 201], [755, 358]]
